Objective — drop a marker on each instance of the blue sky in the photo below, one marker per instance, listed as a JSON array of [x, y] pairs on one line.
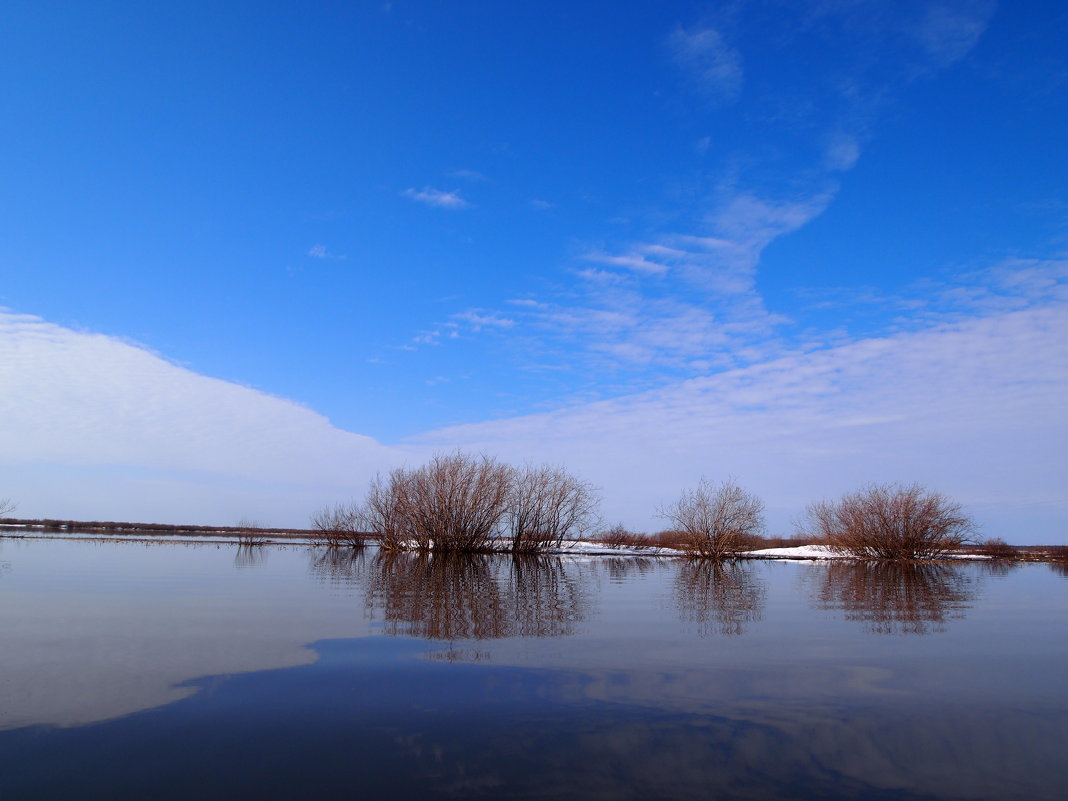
[[434, 223]]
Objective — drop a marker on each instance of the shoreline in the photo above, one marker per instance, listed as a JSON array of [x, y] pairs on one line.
[[585, 548]]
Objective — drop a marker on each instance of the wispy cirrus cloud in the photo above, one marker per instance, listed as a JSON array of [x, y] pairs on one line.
[[478, 319], [681, 302], [946, 404], [714, 67], [437, 198], [319, 251], [467, 175], [947, 31]]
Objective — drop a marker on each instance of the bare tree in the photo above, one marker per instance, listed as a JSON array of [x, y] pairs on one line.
[[250, 533], [889, 521], [547, 505], [455, 502], [6, 506], [716, 521], [340, 525]]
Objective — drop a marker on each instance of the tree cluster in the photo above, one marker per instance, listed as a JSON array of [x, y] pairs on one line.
[[460, 502]]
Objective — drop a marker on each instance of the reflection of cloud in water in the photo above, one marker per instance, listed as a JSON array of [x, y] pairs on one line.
[[719, 597], [896, 597], [472, 596]]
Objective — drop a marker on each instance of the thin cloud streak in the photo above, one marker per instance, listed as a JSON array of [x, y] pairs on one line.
[[437, 198], [714, 66]]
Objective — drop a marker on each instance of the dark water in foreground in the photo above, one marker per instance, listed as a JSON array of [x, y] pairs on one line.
[[134, 671]]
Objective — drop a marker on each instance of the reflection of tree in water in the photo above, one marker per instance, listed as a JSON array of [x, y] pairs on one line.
[[719, 597], [450, 596], [896, 597], [1061, 568], [544, 598], [338, 566], [621, 568], [999, 567], [250, 556]]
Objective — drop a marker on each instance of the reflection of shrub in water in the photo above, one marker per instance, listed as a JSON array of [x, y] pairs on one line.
[[448, 596], [719, 597], [250, 556], [544, 599], [343, 566], [896, 597], [621, 568]]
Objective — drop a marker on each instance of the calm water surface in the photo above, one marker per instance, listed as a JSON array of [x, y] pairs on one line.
[[174, 671]]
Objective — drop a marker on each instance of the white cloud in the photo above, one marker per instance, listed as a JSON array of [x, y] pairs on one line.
[[634, 261], [467, 175], [683, 301], [437, 198], [715, 66], [972, 405], [948, 31], [322, 252], [478, 319], [93, 427], [842, 152], [973, 408]]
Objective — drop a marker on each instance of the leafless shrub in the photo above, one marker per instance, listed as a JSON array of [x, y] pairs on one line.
[[997, 548], [340, 525], [888, 521], [249, 534], [716, 521], [672, 538], [619, 536], [545, 506], [456, 502], [1059, 553]]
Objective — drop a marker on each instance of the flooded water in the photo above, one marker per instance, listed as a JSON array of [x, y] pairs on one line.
[[175, 671]]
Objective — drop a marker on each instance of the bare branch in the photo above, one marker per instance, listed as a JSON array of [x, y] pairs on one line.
[[716, 522], [547, 505], [889, 521]]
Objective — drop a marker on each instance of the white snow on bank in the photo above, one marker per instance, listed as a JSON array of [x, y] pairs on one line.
[[797, 552], [587, 548]]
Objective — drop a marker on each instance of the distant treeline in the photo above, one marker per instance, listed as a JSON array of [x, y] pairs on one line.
[[113, 526]]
